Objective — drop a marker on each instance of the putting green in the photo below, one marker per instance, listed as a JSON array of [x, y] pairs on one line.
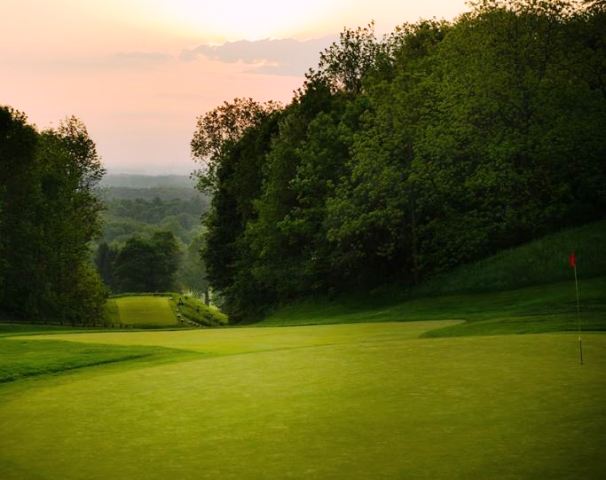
[[146, 311], [329, 402]]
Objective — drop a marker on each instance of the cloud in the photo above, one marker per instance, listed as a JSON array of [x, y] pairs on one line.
[[274, 57]]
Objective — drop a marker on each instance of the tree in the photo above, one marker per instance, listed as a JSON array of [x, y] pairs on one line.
[[50, 214], [219, 129], [407, 156], [344, 64], [147, 264], [192, 270], [239, 180], [104, 261]]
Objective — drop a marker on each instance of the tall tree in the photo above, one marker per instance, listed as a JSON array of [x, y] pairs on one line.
[[50, 215], [403, 157], [147, 264]]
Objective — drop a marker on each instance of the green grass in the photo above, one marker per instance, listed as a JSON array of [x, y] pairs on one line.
[[21, 358], [357, 401], [529, 289], [196, 311], [419, 385], [161, 311], [143, 311], [538, 309], [14, 328], [540, 262]]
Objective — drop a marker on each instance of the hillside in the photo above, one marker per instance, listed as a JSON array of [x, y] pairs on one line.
[[543, 261], [169, 310], [529, 289]]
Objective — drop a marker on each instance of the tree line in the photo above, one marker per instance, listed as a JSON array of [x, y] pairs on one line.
[[163, 239], [407, 155], [49, 213]]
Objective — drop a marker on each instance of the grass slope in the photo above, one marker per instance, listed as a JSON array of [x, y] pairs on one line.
[[160, 311], [145, 311], [535, 309], [21, 358], [540, 262], [354, 401], [529, 289], [196, 311]]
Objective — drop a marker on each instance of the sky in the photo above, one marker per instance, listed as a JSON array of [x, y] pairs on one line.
[[139, 72]]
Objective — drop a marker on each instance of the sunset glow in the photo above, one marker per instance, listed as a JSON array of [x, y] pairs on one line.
[[138, 74]]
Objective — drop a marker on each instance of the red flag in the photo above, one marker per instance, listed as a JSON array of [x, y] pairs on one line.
[[572, 260]]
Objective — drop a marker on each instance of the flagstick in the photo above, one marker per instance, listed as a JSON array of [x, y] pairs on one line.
[[576, 284]]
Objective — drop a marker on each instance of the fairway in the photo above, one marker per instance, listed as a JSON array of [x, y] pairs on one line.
[[146, 311], [359, 401]]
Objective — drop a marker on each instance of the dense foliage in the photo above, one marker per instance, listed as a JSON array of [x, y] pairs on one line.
[[48, 216], [141, 264], [125, 217], [406, 156], [142, 212]]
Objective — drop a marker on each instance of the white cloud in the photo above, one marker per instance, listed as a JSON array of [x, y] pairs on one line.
[[275, 57]]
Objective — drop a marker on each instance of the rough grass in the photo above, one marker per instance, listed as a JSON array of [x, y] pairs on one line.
[[529, 289], [543, 261], [358, 401], [21, 358], [196, 311], [537, 309], [12, 329]]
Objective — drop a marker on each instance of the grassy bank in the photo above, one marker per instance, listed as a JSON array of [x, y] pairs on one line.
[[545, 308], [543, 261], [165, 310], [529, 289]]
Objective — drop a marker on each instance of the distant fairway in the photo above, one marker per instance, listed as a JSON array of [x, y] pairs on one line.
[[145, 311], [358, 401]]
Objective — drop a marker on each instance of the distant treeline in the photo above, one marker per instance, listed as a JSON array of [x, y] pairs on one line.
[[124, 218], [405, 156], [127, 180], [138, 217], [149, 193], [49, 213]]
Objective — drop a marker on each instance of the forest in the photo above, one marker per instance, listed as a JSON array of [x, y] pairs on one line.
[[68, 239], [49, 215], [151, 236], [404, 156]]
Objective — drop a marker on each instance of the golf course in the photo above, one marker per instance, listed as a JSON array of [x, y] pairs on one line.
[[478, 380], [462, 384], [303, 241], [332, 401]]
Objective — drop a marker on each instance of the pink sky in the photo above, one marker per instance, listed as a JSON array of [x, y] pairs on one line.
[[139, 72]]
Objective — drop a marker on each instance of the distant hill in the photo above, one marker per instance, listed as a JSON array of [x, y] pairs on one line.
[[146, 181], [123, 186], [109, 193], [141, 205]]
